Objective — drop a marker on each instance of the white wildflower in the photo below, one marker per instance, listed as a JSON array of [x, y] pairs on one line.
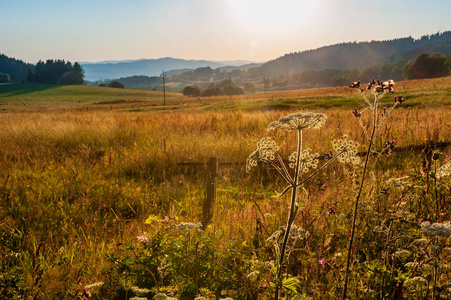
[[444, 170], [402, 254], [94, 285], [307, 160], [274, 238], [162, 296], [139, 291], [415, 282], [298, 232], [253, 275], [400, 183], [442, 230], [266, 149], [348, 150], [185, 226], [269, 264], [420, 242], [299, 121]]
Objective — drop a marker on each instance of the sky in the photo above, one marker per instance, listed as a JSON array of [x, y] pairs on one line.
[[251, 30]]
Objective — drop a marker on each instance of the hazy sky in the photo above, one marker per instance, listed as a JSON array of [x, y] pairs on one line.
[[258, 30]]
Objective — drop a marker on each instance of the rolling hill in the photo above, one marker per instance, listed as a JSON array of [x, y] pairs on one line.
[[147, 67]]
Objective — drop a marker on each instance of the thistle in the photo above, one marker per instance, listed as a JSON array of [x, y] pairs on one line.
[[375, 91], [302, 161]]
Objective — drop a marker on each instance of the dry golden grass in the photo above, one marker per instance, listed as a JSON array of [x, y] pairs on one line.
[[94, 175]]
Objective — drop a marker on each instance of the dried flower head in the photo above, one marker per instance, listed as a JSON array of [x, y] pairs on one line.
[[399, 99], [355, 84], [348, 150], [356, 113], [299, 121]]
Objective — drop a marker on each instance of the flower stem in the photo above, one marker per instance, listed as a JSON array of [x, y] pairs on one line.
[[291, 218], [356, 205]]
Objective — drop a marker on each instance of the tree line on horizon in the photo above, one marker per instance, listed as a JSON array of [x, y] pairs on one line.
[[49, 72], [335, 65]]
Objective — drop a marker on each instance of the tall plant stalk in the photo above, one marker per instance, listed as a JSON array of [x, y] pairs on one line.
[[378, 90], [356, 205], [291, 217], [302, 161]]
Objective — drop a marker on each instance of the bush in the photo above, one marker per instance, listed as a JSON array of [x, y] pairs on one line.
[[116, 84], [191, 91], [4, 78]]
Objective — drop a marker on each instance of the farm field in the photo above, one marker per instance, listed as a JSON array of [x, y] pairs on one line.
[[96, 201]]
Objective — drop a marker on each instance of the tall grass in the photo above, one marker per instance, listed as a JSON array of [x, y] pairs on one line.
[[83, 184]]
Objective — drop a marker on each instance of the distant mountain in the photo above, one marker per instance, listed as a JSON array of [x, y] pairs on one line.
[[147, 67], [357, 55]]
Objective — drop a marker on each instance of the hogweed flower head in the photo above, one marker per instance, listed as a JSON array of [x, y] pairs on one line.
[[308, 160], [185, 226], [266, 148], [444, 170], [348, 150], [299, 121]]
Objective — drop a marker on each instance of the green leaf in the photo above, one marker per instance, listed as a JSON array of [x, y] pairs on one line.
[[152, 219], [286, 190], [291, 285]]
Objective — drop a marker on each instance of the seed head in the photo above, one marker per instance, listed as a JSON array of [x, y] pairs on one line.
[[356, 113], [399, 99], [355, 84]]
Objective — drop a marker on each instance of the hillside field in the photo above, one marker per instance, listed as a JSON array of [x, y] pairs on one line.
[[93, 192]]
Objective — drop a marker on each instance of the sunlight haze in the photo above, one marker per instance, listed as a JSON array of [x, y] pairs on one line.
[[204, 29]]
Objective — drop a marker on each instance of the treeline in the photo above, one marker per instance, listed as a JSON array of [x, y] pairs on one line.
[[226, 87], [424, 66], [56, 72], [356, 55], [428, 66], [13, 70]]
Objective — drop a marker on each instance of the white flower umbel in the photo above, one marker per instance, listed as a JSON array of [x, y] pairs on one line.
[[444, 171], [301, 161], [441, 230], [348, 150], [308, 160], [299, 121]]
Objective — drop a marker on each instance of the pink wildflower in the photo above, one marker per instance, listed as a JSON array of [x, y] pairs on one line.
[[322, 262], [142, 238]]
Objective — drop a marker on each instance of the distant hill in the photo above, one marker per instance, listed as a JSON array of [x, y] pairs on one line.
[[148, 67], [357, 55]]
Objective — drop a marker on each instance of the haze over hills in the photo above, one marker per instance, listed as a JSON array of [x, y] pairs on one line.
[[325, 66], [148, 67]]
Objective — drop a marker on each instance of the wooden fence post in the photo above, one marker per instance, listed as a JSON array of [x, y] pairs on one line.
[[209, 202]]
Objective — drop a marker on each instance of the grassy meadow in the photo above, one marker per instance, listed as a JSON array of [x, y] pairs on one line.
[[92, 192]]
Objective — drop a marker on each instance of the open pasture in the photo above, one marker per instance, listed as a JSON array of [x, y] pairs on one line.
[[83, 168]]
